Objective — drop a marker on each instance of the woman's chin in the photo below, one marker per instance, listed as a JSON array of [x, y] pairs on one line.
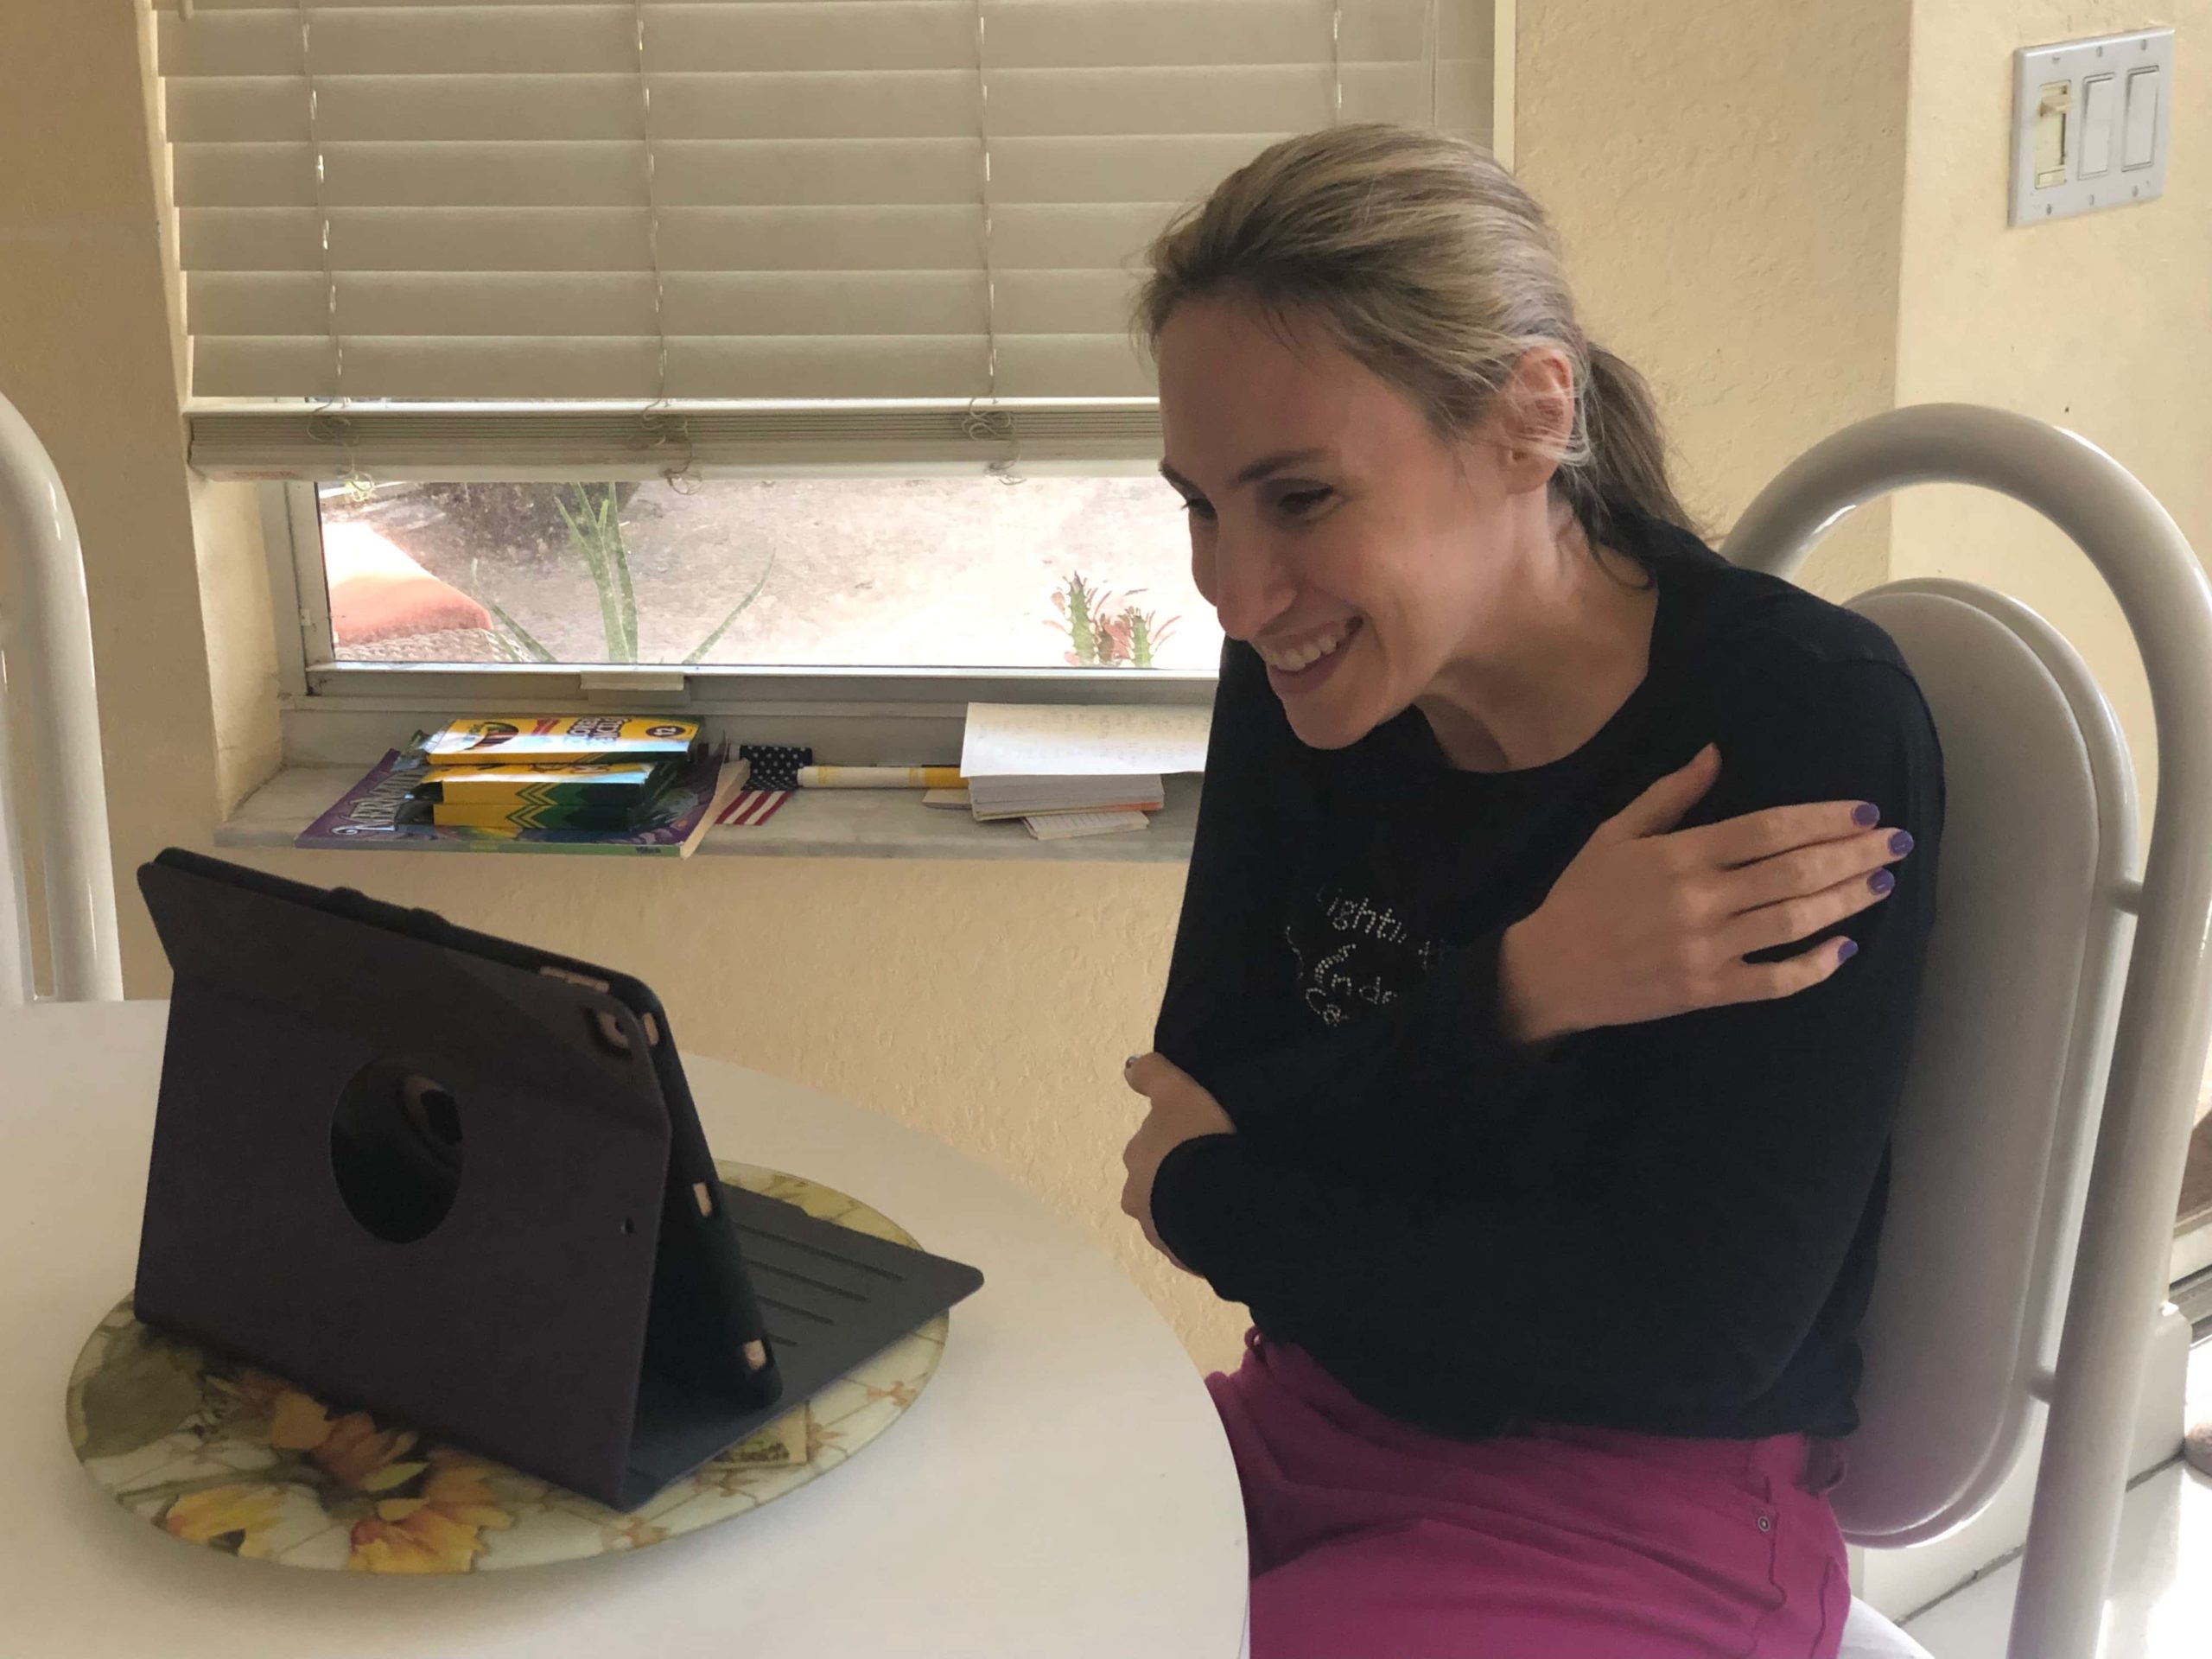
[[1326, 703], [1326, 723]]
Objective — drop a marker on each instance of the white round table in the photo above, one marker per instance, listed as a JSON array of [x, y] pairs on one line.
[[1061, 1487]]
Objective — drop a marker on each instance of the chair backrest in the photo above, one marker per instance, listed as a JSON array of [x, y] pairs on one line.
[[2024, 973], [1998, 716], [46, 656]]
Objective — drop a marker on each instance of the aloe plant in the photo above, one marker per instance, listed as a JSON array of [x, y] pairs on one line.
[[595, 537]]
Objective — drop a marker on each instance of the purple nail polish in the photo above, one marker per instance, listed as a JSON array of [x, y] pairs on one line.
[[1901, 842], [1881, 882], [1845, 951], [1865, 814]]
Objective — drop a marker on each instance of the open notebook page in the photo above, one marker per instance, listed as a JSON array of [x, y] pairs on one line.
[[1026, 740]]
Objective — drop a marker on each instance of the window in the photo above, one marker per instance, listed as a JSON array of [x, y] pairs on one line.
[[766, 351], [959, 572]]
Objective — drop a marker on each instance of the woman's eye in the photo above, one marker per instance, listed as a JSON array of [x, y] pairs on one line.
[[1198, 509], [1301, 502]]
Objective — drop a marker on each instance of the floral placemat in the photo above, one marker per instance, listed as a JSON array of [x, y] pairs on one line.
[[237, 1460]]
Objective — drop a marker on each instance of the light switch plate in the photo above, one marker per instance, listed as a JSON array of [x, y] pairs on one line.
[[2074, 63]]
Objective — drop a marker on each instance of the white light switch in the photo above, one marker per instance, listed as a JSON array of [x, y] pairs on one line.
[[2091, 123], [2052, 107], [2100, 93], [2141, 147]]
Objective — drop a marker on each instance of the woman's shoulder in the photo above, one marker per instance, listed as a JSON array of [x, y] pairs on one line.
[[1787, 681], [1754, 633], [1807, 700]]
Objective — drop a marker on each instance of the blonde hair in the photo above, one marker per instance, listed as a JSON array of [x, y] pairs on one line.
[[1428, 263]]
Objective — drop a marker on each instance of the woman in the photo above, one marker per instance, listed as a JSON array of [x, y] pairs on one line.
[[1547, 970]]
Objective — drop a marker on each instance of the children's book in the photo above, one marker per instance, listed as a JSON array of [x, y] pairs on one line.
[[561, 738], [586, 783]]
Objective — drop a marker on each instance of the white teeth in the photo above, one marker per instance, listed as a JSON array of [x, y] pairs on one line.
[[1301, 656]]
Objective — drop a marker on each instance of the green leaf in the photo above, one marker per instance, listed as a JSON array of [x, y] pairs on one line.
[[698, 652], [626, 595], [146, 1387], [588, 538], [522, 636]]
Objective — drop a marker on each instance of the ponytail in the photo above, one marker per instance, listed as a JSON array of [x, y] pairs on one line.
[[1620, 460]]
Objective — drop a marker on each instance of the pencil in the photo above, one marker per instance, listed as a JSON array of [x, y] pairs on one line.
[[881, 778]]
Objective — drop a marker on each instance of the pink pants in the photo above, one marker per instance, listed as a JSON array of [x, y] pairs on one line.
[[1371, 1540]]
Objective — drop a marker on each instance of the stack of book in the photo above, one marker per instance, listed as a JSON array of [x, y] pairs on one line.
[[1077, 769], [586, 773], [1039, 797], [570, 784]]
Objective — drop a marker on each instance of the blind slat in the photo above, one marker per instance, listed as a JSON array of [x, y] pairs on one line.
[[887, 366], [942, 237], [607, 440], [873, 367], [445, 40], [583, 173], [170, 10], [920, 104], [1101, 168], [698, 303], [567, 173]]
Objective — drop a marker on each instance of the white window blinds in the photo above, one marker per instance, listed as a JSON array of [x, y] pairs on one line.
[[733, 200]]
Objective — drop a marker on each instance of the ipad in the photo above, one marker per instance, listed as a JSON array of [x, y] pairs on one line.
[[461, 1182]]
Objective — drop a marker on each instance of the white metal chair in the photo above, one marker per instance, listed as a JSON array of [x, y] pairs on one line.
[[46, 656], [2038, 1155]]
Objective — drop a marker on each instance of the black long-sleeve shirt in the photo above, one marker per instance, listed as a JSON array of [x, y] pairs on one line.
[[1668, 1227]]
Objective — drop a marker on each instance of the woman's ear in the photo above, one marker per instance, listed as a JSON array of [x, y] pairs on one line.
[[1535, 411]]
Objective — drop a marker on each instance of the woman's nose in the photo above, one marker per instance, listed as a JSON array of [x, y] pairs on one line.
[[1250, 589]]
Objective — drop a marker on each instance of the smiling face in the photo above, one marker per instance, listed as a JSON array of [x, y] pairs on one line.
[[1330, 527]]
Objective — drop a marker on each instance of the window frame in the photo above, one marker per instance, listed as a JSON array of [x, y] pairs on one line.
[[334, 713]]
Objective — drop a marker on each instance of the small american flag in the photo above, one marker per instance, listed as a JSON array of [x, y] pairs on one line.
[[751, 808]]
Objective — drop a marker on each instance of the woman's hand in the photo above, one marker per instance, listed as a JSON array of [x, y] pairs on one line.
[[1181, 1110], [1646, 923]]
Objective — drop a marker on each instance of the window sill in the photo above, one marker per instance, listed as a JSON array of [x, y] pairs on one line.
[[815, 823]]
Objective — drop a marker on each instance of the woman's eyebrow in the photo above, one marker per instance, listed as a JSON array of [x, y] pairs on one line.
[[1273, 462]]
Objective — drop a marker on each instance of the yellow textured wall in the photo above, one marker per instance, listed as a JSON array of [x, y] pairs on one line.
[[241, 647], [2102, 322], [86, 354], [1726, 176]]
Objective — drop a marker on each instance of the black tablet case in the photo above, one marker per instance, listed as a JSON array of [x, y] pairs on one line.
[[575, 1313]]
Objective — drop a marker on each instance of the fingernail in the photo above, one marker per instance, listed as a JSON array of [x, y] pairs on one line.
[[1901, 842], [1129, 1062], [1865, 814], [1881, 882], [1846, 949]]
